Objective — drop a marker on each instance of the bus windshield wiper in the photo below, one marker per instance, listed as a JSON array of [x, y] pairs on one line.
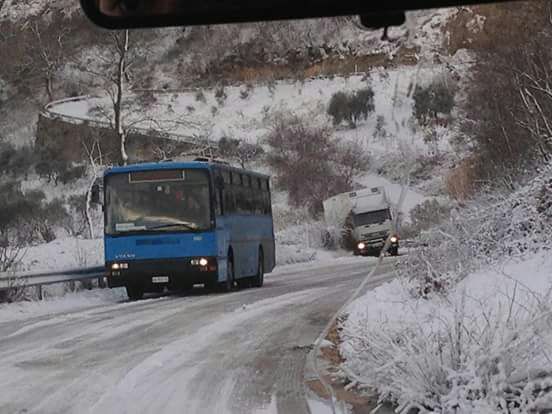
[[168, 225]]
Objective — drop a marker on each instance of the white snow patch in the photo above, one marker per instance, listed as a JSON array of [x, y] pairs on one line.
[[70, 302], [64, 253]]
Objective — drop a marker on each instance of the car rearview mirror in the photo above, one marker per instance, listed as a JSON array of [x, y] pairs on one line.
[[123, 14]]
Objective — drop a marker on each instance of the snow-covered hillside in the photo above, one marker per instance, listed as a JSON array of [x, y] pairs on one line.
[[247, 111]]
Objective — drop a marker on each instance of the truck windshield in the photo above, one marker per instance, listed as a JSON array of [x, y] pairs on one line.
[[372, 217], [143, 203]]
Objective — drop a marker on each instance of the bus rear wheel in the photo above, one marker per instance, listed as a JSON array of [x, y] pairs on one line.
[[228, 284], [258, 279], [134, 292]]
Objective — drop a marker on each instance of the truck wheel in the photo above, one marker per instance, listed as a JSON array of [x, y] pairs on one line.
[[134, 292], [394, 251]]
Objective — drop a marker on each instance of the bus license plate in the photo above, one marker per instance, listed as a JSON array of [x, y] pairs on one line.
[[160, 279]]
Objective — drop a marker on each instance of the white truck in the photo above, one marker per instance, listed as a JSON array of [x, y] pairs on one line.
[[365, 218]]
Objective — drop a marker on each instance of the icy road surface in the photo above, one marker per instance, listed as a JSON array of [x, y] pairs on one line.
[[242, 352]]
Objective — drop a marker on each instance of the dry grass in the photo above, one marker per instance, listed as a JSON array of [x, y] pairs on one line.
[[327, 67], [461, 181], [504, 24], [360, 404]]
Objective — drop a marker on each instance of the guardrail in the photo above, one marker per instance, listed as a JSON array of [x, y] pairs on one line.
[[28, 279], [49, 113]]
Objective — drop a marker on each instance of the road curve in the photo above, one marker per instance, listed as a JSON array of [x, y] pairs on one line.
[[242, 352]]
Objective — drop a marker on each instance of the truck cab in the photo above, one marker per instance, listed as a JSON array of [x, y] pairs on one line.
[[366, 217]]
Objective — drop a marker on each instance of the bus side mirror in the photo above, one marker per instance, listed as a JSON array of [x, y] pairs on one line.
[[95, 194]]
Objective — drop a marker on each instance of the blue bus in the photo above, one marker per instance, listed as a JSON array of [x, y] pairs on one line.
[[176, 224]]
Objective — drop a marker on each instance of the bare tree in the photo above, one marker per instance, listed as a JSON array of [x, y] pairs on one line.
[[309, 164], [128, 110], [114, 77], [48, 47], [508, 110], [95, 160]]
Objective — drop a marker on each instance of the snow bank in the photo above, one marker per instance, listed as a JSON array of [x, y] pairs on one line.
[[70, 302], [483, 348], [65, 253]]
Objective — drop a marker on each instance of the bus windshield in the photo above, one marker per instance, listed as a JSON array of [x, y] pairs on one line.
[[372, 217], [151, 201]]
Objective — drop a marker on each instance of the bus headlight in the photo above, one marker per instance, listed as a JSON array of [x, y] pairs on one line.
[[394, 239], [117, 266], [199, 262], [361, 246]]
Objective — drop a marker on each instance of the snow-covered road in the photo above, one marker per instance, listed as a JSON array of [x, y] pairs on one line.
[[242, 352]]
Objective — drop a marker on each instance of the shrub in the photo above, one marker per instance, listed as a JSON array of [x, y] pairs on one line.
[[428, 214], [15, 162], [17, 213], [239, 150], [351, 107], [200, 96], [437, 98], [339, 107], [379, 129], [244, 94], [220, 95], [48, 165], [50, 216], [69, 174]]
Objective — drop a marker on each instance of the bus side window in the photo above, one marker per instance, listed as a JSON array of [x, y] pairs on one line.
[[229, 199], [218, 202], [239, 194], [226, 177]]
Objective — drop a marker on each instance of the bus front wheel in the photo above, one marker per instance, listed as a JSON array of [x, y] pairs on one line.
[[134, 292], [258, 280]]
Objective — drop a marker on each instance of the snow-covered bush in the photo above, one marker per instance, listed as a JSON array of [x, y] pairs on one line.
[[298, 237], [490, 228], [482, 349], [300, 243], [428, 214]]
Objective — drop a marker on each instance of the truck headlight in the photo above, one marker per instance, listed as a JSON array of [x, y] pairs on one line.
[[394, 239], [361, 246]]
